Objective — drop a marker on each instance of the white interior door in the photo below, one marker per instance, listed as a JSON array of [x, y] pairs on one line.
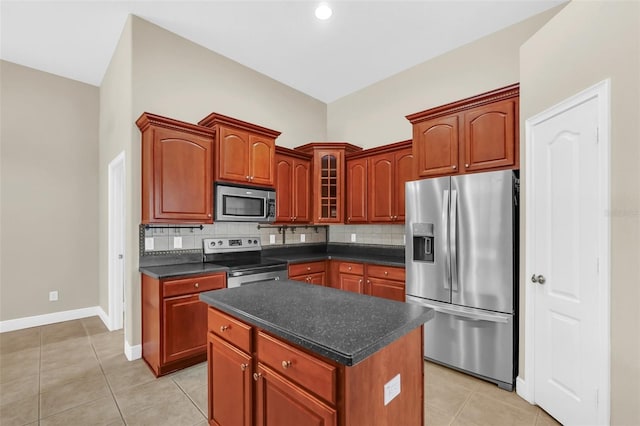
[[116, 242], [567, 206]]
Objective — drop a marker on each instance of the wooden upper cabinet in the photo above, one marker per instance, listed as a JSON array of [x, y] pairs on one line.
[[474, 134], [404, 173], [293, 178], [177, 171], [328, 179], [245, 152], [490, 136], [357, 190]]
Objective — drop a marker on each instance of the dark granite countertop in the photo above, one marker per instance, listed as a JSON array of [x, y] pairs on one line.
[[380, 255], [378, 260], [342, 326], [181, 270]]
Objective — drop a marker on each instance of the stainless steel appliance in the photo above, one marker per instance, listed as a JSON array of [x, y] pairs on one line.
[[461, 260], [243, 257], [244, 204]]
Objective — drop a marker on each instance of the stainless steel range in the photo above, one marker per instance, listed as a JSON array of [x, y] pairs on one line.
[[243, 257]]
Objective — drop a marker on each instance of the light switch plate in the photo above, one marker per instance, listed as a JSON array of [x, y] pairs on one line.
[[391, 389], [148, 243], [353, 238], [303, 238], [177, 242], [272, 239], [53, 296]]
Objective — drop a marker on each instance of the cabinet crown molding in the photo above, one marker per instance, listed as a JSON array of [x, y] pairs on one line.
[[311, 146], [381, 149], [147, 119], [215, 118], [293, 153], [506, 92]]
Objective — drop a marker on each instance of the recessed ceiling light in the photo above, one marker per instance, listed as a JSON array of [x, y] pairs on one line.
[[323, 11]]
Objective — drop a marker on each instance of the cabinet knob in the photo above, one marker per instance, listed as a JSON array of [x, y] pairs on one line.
[[349, 268], [248, 177], [386, 273], [251, 178], [243, 366], [454, 167], [224, 328], [256, 376], [308, 268], [360, 281], [196, 285], [466, 165], [295, 218], [286, 364], [209, 215], [349, 219]]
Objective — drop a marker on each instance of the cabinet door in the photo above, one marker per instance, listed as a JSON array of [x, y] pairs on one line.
[[328, 186], [404, 172], [284, 188], [353, 283], [261, 160], [318, 278], [230, 384], [435, 146], [381, 188], [181, 177], [281, 402], [489, 136], [388, 289], [232, 157], [184, 328], [301, 204], [357, 188]]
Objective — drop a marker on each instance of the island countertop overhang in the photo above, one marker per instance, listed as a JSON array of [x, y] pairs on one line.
[[342, 326]]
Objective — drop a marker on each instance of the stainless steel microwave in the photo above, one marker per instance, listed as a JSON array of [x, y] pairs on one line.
[[244, 204]]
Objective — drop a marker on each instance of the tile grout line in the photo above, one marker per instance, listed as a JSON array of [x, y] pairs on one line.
[[105, 376], [190, 399]]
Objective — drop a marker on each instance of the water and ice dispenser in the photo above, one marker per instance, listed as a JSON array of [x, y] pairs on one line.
[[423, 242]]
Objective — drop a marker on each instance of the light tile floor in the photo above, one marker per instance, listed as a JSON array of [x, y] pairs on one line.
[[74, 373]]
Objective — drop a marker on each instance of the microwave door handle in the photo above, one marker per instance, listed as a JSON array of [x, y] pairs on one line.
[[445, 234], [453, 225]]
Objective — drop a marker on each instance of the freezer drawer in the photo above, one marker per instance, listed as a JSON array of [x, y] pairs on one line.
[[472, 340]]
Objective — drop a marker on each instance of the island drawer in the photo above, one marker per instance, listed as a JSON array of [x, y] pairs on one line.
[[230, 329], [351, 268], [312, 373], [192, 285], [306, 268], [388, 272]]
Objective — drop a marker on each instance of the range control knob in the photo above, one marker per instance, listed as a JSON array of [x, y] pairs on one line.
[[248, 241], [219, 242], [255, 241]]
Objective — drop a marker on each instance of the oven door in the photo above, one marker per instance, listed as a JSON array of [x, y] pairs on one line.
[[237, 279], [244, 204]]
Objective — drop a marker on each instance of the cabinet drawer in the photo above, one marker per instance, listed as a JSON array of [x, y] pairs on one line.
[[306, 268], [230, 329], [193, 284], [351, 268], [388, 272], [310, 372]]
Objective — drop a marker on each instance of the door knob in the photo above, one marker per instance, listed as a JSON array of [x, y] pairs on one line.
[[540, 279]]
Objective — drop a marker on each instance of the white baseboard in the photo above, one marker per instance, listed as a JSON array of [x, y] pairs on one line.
[[52, 318], [132, 352], [523, 390]]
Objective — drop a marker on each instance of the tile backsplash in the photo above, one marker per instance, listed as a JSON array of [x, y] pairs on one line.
[[184, 238]]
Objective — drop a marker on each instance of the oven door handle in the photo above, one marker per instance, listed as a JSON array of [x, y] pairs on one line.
[[260, 270]]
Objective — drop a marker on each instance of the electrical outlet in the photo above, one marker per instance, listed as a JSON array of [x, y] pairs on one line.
[[53, 296], [303, 238], [177, 242], [353, 238], [272, 239], [404, 240], [392, 389], [148, 243]]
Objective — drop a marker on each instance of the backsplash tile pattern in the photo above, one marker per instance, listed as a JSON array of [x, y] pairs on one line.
[[368, 234]]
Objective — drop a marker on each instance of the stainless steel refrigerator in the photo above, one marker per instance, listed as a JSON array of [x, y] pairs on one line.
[[461, 260]]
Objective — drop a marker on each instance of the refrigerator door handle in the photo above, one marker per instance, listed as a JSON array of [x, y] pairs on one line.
[[466, 314], [445, 234], [453, 225]]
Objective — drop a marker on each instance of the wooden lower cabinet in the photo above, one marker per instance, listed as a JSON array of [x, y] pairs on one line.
[[174, 321], [375, 280], [255, 378], [309, 272]]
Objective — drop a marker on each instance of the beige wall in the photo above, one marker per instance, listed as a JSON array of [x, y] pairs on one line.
[[376, 115], [115, 137], [49, 197], [582, 45]]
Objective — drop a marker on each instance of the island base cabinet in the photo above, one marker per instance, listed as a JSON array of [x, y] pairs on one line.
[[230, 387], [280, 402]]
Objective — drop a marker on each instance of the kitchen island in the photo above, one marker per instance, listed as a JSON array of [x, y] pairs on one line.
[[285, 353]]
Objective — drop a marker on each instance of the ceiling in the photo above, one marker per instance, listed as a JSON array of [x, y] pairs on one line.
[[363, 42]]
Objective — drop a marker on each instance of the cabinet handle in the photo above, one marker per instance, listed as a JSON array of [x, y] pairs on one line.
[[256, 376], [454, 167], [224, 328], [243, 366], [286, 364], [196, 285], [466, 165]]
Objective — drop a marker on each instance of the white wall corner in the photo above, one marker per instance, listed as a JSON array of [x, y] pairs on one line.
[[52, 318], [523, 390], [132, 352]]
